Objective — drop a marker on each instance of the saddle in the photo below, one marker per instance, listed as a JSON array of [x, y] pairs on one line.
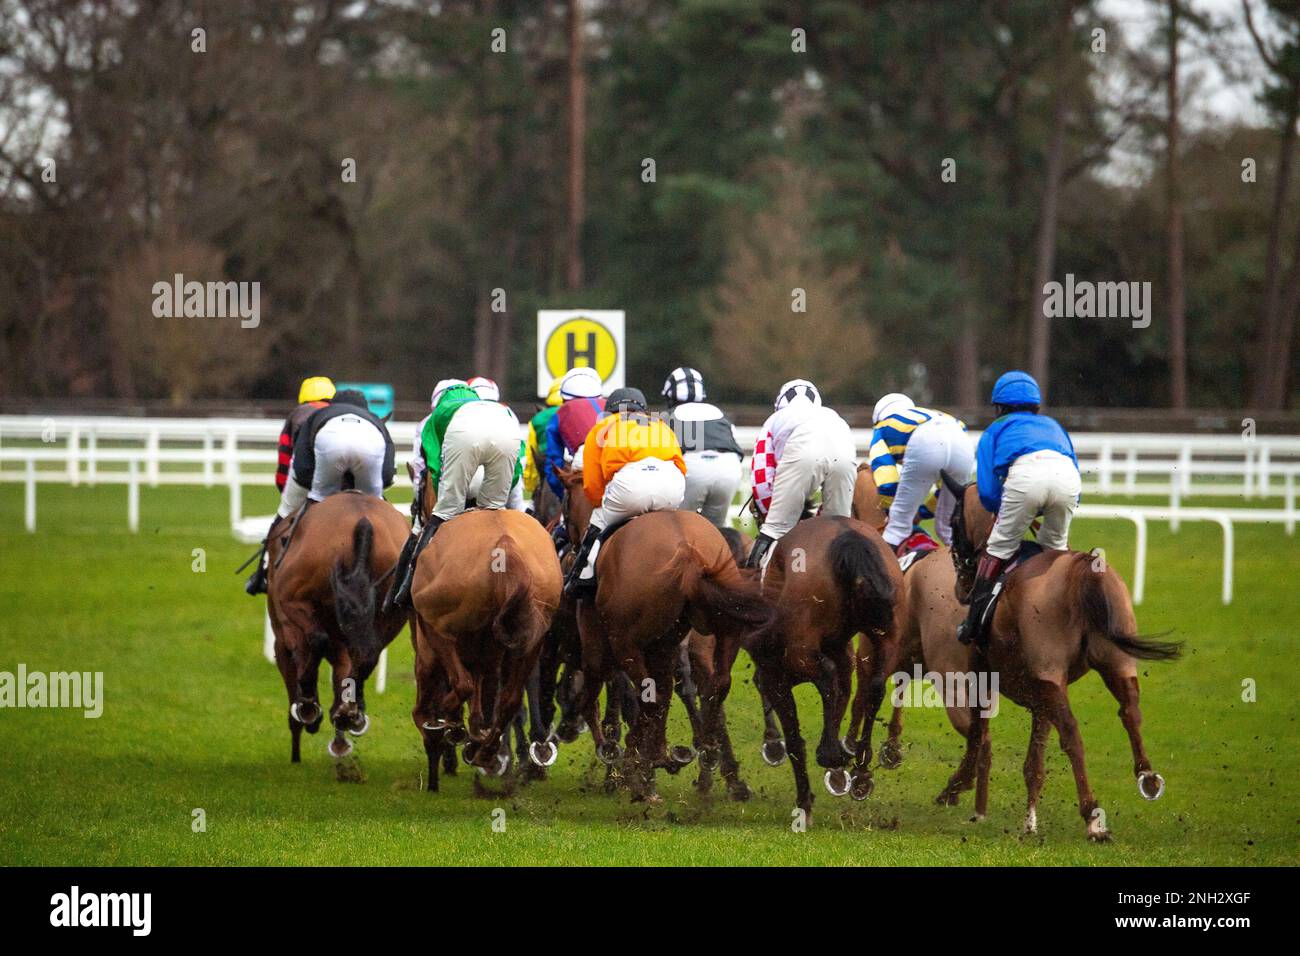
[[1028, 549], [919, 544]]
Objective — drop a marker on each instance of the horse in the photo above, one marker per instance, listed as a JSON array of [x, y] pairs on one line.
[[325, 582], [830, 577], [659, 576], [484, 593], [1060, 614], [928, 634]]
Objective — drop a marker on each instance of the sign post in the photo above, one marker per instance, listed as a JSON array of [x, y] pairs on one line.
[[572, 338]]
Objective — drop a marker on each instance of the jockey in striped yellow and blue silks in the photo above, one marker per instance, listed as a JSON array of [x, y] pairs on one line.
[[910, 447]]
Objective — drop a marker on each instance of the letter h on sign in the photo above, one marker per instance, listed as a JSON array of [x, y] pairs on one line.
[[588, 351]]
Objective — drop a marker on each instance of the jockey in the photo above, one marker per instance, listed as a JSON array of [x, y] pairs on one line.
[[1025, 466], [708, 443], [341, 440], [460, 435], [910, 448], [810, 447], [535, 457], [631, 464], [489, 391], [581, 408], [314, 393]]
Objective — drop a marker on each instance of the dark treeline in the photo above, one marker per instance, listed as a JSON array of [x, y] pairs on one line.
[[870, 194]]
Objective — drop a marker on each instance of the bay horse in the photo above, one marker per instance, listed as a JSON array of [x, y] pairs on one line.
[[660, 576], [1060, 614], [485, 590], [928, 635], [324, 598], [830, 578]]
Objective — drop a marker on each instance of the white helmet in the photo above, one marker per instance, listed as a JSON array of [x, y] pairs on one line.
[[442, 386], [487, 389], [581, 382], [891, 404], [797, 388]]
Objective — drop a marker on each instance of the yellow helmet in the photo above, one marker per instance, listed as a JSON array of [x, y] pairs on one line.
[[553, 393], [316, 389]]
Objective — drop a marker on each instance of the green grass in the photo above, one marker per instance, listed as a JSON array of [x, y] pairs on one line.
[[195, 718]]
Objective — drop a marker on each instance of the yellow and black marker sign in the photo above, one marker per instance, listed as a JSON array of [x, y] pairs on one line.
[[574, 339]]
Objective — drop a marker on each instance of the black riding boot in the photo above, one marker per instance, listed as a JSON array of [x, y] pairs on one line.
[[572, 586], [981, 594], [402, 596], [257, 580], [761, 545]]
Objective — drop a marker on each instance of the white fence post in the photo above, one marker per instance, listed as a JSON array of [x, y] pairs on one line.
[[1132, 477], [236, 492], [207, 459], [1140, 559], [1263, 472], [1226, 524], [152, 449], [1290, 502], [132, 496], [381, 677], [74, 449], [92, 450], [29, 497], [1104, 467]]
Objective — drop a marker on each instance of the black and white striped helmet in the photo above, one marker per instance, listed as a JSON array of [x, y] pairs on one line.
[[684, 385], [798, 388]]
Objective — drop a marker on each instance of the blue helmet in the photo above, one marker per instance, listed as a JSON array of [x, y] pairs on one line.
[[1017, 388]]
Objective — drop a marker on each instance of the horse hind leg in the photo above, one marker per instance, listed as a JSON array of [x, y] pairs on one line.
[[781, 695], [1124, 687], [1067, 729], [1035, 769], [891, 751]]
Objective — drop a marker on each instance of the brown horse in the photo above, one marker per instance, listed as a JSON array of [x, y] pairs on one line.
[[484, 593], [928, 635], [661, 575], [831, 578], [1060, 614], [324, 599]]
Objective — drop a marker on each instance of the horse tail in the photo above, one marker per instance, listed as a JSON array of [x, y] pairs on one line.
[[864, 582], [1108, 614], [512, 594], [354, 594], [718, 590]]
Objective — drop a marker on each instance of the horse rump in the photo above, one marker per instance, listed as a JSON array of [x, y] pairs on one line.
[[864, 582], [512, 593], [1102, 596], [719, 591], [354, 595]]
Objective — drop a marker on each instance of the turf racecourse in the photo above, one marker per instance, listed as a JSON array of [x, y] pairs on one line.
[[194, 718]]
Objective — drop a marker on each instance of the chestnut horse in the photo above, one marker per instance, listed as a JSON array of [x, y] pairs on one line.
[[484, 592], [830, 578], [661, 575], [324, 599], [1060, 614]]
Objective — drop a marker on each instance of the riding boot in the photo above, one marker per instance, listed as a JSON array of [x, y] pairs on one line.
[[981, 595], [559, 536], [761, 545], [402, 596], [572, 585], [257, 581]]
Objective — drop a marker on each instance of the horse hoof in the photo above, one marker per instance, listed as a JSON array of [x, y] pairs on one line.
[[948, 798], [356, 731], [681, 755], [863, 785], [499, 765], [339, 747], [1151, 785], [847, 747], [457, 733], [1031, 823], [709, 759], [739, 791], [891, 756], [774, 752], [469, 751], [838, 782], [305, 711], [1097, 831], [567, 732], [542, 753], [609, 752]]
